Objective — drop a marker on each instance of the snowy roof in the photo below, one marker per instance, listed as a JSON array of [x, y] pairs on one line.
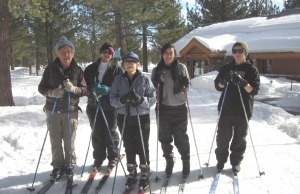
[[280, 34]]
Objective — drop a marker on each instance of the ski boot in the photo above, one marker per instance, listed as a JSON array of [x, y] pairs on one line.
[[169, 165], [185, 168], [131, 178], [144, 178], [57, 172]]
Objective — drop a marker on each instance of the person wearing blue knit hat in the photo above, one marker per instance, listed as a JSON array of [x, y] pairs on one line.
[[132, 94]]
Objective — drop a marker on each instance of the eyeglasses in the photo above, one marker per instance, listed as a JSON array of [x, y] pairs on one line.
[[130, 62], [235, 51]]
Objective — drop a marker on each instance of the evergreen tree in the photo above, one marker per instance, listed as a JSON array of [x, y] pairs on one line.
[[290, 4]]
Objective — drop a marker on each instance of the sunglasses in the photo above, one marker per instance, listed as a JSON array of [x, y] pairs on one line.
[[130, 61], [235, 51], [106, 52]]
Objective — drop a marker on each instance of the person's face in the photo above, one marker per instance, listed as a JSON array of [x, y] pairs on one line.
[[65, 55], [239, 54], [130, 65], [106, 55], [169, 56]]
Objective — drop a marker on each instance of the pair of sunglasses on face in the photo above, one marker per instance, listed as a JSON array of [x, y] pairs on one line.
[[106, 52], [130, 61], [235, 51]]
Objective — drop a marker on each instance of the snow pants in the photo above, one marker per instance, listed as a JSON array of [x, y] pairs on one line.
[[173, 126], [104, 144], [132, 138], [60, 138], [235, 128]]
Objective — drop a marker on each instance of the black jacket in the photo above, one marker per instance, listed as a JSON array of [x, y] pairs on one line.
[[91, 77], [232, 103], [53, 77]]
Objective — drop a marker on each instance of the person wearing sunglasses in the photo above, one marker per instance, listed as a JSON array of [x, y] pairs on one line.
[[99, 77], [133, 94], [238, 81]]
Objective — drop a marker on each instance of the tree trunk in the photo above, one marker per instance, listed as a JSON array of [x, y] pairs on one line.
[[145, 55], [6, 98]]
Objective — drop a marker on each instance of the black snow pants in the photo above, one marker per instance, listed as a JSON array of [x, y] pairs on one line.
[[101, 139], [132, 138], [173, 126], [235, 128]]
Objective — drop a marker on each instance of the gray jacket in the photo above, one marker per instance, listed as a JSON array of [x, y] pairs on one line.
[[142, 84]]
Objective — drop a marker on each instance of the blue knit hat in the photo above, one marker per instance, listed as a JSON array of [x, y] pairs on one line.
[[62, 42], [132, 55]]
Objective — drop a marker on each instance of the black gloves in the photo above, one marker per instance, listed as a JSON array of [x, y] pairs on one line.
[[240, 80], [126, 99], [132, 97], [233, 77], [136, 98], [183, 83], [161, 76]]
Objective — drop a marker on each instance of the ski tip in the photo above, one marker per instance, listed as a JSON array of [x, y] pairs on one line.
[[31, 189]]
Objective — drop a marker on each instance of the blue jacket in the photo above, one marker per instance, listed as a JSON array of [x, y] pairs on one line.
[[142, 84]]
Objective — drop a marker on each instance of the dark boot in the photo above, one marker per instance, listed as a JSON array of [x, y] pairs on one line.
[[169, 166], [131, 178], [70, 171], [144, 179], [185, 168], [220, 166], [57, 172], [236, 168]]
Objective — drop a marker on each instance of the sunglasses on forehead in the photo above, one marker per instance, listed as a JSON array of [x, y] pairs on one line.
[[240, 51]]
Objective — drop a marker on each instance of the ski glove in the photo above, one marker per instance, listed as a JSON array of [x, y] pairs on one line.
[[136, 99], [238, 79], [228, 77], [56, 93], [68, 86], [126, 99], [183, 83], [100, 89]]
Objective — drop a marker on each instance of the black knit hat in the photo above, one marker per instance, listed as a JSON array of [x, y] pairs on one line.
[[243, 45]]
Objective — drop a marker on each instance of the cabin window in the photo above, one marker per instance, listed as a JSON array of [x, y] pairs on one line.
[[266, 66]]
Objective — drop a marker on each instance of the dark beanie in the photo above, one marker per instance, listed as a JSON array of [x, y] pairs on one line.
[[62, 42], [107, 46], [243, 45], [132, 55]]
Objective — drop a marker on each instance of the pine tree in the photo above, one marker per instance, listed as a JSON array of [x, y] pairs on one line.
[[290, 4]]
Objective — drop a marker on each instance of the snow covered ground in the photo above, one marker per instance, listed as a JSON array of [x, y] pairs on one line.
[[275, 135]]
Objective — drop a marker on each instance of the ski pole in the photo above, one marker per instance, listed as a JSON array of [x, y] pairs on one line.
[[142, 141], [246, 117], [49, 124], [217, 124], [109, 133], [94, 124], [70, 129], [190, 117], [120, 146], [157, 123]]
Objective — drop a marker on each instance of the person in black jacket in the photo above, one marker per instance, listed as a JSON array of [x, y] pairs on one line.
[[63, 79], [173, 78], [239, 81], [99, 77]]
